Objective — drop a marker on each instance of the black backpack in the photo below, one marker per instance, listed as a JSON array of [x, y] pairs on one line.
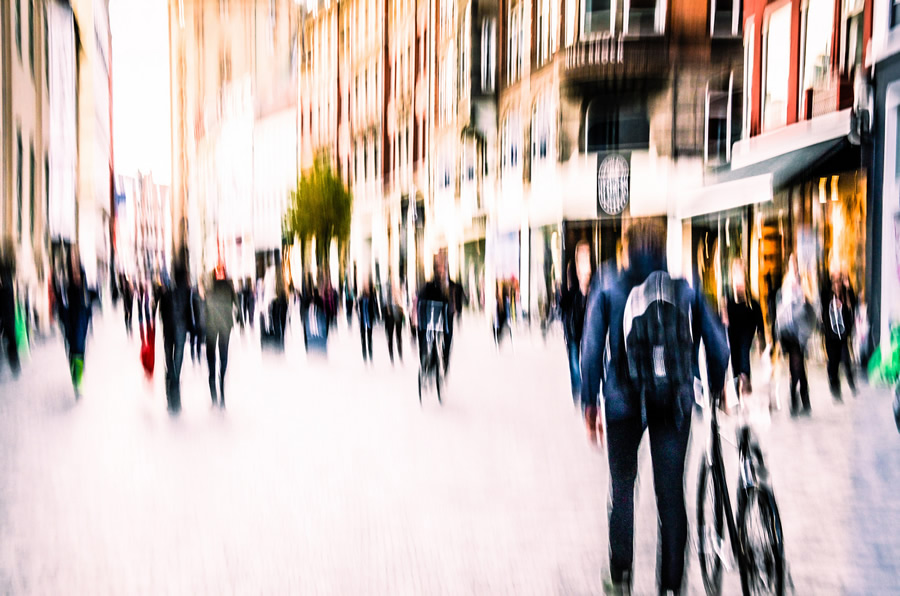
[[659, 346]]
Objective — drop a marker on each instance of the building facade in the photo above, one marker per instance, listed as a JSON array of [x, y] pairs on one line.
[[235, 147]]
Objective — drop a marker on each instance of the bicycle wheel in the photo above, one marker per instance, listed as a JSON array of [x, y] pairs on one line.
[[710, 530], [762, 543]]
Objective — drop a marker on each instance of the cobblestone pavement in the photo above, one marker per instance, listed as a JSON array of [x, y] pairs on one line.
[[327, 477]]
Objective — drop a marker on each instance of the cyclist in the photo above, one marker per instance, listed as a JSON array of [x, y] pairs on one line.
[[439, 289], [628, 415]]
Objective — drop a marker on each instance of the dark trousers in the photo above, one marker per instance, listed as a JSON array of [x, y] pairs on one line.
[[174, 349], [195, 339], [574, 351], [394, 327], [668, 448], [365, 336], [797, 365], [129, 309], [217, 338], [8, 328], [838, 351]]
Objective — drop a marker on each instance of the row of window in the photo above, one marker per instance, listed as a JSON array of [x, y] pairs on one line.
[[816, 56], [32, 34]]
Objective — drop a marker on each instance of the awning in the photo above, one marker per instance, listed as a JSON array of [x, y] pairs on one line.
[[757, 182], [789, 167], [723, 196]]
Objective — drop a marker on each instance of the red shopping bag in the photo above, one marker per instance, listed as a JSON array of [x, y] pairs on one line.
[[148, 353]]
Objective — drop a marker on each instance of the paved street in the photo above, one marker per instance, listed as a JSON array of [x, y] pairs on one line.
[[327, 477]]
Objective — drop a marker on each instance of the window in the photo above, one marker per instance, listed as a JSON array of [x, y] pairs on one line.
[[223, 8], [17, 25], [718, 117], [816, 48], [895, 13], [19, 182], [897, 146], [598, 16], [725, 18], [31, 169], [615, 124], [46, 188], [542, 119], [488, 55], [30, 34], [571, 16], [643, 17], [465, 49], [46, 51], [511, 143], [777, 45], [749, 49], [851, 35]]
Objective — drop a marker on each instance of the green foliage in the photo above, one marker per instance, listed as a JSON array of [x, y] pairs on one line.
[[320, 207]]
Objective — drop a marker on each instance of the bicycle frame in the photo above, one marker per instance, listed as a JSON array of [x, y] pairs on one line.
[[747, 479]]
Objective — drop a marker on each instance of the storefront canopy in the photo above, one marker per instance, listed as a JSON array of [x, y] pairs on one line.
[[766, 163]]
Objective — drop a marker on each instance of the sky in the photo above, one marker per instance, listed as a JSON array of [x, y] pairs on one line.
[[141, 109]]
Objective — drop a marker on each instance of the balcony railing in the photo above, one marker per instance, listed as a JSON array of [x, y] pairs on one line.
[[616, 57]]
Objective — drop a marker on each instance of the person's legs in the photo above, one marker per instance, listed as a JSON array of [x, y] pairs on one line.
[[398, 329], [623, 439], [833, 356], [169, 352], [211, 343], [177, 360], [574, 369], [362, 340], [804, 382], [668, 448], [788, 347], [848, 365], [389, 331], [369, 342], [223, 364]]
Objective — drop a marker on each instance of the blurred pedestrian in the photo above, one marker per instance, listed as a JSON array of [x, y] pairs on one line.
[[634, 402], [838, 318], [744, 320], [76, 301], [8, 305], [501, 316], [176, 314], [580, 272], [247, 303], [127, 292], [221, 306], [198, 322], [367, 308], [794, 323]]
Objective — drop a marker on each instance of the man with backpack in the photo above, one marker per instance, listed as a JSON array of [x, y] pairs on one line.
[[641, 339]]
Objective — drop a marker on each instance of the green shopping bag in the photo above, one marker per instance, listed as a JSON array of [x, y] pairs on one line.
[[22, 333], [885, 367]]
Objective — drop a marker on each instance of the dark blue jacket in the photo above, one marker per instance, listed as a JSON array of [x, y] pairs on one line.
[[605, 310]]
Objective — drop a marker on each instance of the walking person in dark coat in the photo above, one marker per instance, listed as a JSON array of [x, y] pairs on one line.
[[221, 306], [574, 307], [127, 292], [175, 312], [628, 413], [743, 317], [75, 313], [366, 305], [838, 318]]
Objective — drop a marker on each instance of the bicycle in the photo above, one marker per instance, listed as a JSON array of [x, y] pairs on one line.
[[759, 555], [431, 329]]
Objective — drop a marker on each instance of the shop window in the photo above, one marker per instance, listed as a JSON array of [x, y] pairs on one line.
[[776, 66], [725, 18], [614, 125], [643, 17]]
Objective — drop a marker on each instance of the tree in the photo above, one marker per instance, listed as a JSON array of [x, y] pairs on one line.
[[320, 208]]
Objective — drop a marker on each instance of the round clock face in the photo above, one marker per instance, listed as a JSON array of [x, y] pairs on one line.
[[612, 184]]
